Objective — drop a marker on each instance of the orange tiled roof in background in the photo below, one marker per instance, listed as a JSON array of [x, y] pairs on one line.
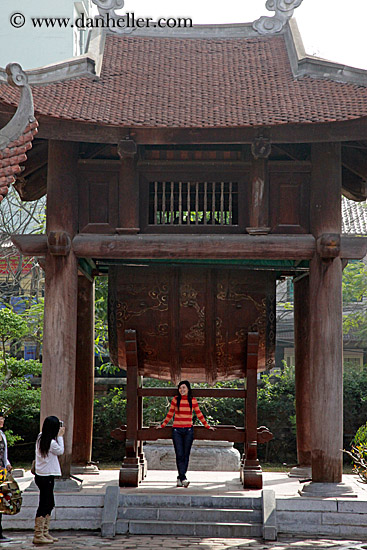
[[197, 83]]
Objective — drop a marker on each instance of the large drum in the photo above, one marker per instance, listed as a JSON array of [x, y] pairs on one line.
[[191, 322]]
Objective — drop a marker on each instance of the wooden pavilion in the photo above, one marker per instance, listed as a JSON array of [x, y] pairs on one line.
[[195, 167]]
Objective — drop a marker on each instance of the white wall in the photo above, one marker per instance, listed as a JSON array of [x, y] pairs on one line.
[[35, 47]]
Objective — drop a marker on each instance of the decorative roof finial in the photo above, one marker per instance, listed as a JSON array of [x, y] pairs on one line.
[[114, 23], [16, 137], [24, 114], [283, 12]]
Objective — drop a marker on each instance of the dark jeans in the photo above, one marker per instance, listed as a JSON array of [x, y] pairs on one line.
[[182, 441], [47, 502]]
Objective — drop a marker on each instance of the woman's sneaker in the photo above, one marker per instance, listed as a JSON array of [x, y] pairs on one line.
[[185, 483], [179, 483]]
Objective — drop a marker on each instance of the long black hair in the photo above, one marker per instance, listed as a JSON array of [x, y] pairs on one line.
[[189, 395], [50, 429]]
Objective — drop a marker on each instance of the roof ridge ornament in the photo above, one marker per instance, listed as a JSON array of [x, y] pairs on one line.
[[16, 137], [106, 10], [24, 114], [283, 12]]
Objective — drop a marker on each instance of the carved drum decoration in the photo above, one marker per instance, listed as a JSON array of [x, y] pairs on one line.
[[191, 322]]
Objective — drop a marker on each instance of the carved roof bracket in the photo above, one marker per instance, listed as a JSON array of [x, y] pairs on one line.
[[261, 147], [24, 114], [283, 12], [114, 22], [127, 148]]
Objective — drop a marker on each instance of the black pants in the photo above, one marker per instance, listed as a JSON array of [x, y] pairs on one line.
[[1, 527], [46, 502], [182, 441]]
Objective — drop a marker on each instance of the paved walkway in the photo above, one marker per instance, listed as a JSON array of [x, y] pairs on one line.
[[213, 483], [85, 541]]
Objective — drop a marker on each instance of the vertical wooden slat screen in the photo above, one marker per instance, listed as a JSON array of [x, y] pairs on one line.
[[221, 202], [164, 202], [180, 203], [203, 203], [230, 205], [188, 204], [213, 204], [172, 204]]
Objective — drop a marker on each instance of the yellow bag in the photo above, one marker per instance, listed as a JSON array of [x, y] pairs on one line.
[[10, 494]]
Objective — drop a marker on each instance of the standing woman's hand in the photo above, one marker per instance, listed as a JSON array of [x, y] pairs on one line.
[[212, 428], [61, 431]]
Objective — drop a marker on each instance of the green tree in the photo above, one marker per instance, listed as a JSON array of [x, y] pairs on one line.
[[16, 392], [355, 301]]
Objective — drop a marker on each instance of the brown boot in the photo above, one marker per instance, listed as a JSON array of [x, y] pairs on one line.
[[38, 538], [46, 527]]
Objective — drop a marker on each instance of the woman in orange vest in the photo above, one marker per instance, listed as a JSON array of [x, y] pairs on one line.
[[182, 406]]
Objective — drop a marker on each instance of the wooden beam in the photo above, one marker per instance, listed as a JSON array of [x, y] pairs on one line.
[[218, 393], [50, 128], [353, 248], [280, 247], [34, 186], [222, 433], [30, 245]]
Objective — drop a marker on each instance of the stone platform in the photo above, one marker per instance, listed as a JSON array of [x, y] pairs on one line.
[[292, 514]]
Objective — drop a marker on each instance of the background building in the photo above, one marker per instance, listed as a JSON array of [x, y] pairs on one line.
[[47, 44]]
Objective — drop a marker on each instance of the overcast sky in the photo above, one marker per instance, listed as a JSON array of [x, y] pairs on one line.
[[333, 29]]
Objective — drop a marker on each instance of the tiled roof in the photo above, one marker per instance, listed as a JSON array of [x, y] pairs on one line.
[[178, 82], [13, 156], [354, 217]]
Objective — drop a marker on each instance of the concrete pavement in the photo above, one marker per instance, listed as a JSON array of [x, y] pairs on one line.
[[93, 541]]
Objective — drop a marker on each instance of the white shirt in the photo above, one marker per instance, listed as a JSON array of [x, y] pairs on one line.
[[6, 460], [49, 465]]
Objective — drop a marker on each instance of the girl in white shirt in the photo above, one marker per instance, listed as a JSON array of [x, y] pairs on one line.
[[49, 445]]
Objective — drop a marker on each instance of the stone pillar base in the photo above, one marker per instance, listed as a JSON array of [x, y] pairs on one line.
[[68, 485], [18, 472], [301, 472], [86, 469], [326, 490]]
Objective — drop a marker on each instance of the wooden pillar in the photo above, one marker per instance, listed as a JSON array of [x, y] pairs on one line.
[[131, 470], [84, 374], [61, 290], [251, 473], [259, 206], [302, 374], [326, 351], [128, 188]]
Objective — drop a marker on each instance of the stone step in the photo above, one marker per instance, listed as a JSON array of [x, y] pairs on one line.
[[188, 500], [191, 514], [202, 529]]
